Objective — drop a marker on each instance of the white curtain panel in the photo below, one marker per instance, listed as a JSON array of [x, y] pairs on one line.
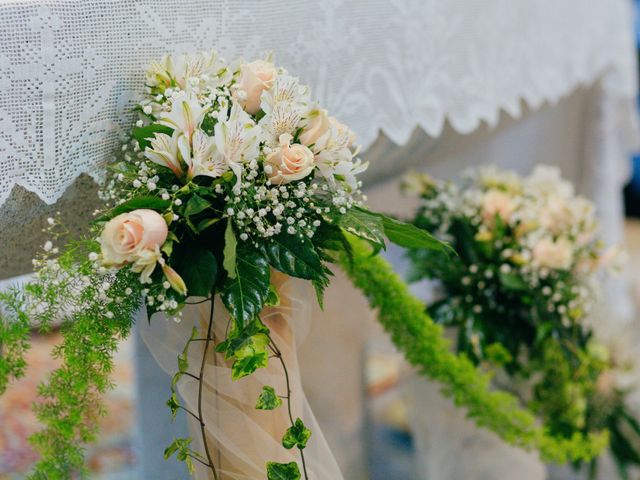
[[70, 70]]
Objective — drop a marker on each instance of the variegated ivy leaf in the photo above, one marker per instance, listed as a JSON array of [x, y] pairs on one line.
[[268, 400], [296, 435], [283, 471], [173, 404], [181, 447], [247, 346]]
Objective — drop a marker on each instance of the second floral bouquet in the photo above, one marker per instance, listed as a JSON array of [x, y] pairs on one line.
[[521, 290]]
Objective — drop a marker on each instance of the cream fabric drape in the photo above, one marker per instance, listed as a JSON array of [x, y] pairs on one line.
[[242, 439]]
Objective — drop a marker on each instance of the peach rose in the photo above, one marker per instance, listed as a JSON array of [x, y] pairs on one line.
[[255, 77], [132, 237], [288, 162], [550, 254], [317, 125], [496, 202]]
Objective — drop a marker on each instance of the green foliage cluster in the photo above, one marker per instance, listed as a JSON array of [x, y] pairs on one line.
[[412, 330], [96, 313]]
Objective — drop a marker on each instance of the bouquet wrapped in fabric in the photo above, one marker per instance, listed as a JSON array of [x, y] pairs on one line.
[[232, 182], [520, 291]]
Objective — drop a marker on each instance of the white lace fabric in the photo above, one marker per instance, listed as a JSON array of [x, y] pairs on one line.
[[70, 70]]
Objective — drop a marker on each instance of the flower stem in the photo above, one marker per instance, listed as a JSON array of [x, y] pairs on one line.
[[200, 387], [278, 354]]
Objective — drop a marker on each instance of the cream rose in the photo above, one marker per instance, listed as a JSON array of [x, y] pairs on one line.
[[255, 77], [496, 202], [317, 125], [550, 254], [131, 237], [288, 162]]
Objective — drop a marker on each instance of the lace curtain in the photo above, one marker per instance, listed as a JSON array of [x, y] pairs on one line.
[[71, 70]]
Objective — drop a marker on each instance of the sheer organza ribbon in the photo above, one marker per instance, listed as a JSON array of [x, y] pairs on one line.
[[242, 439]]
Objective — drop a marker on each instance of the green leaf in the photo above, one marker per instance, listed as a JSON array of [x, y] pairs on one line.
[[230, 244], [283, 471], [152, 203], [143, 134], [206, 223], [198, 268], [332, 238], [173, 404], [409, 236], [295, 256], [247, 346], [196, 204], [268, 400], [183, 358], [273, 299], [511, 281], [180, 446], [363, 224], [296, 435], [244, 295], [167, 248], [249, 364]]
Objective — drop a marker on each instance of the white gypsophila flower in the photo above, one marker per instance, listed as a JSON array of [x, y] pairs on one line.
[[185, 115], [164, 151], [237, 140]]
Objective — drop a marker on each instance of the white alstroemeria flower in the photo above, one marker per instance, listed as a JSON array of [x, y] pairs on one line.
[[164, 151], [145, 263], [207, 67], [283, 119], [185, 116], [159, 74], [286, 89], [336, 153], [346, 170], [201, 156], [237, 139]]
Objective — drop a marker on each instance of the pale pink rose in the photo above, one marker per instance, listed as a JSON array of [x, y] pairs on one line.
[[255, 77], [497, 202], [317, 124], [131, 237], [288, 162], [553, 254]]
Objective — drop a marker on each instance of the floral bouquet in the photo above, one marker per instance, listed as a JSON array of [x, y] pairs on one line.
[[231, 181], [520, 290]]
